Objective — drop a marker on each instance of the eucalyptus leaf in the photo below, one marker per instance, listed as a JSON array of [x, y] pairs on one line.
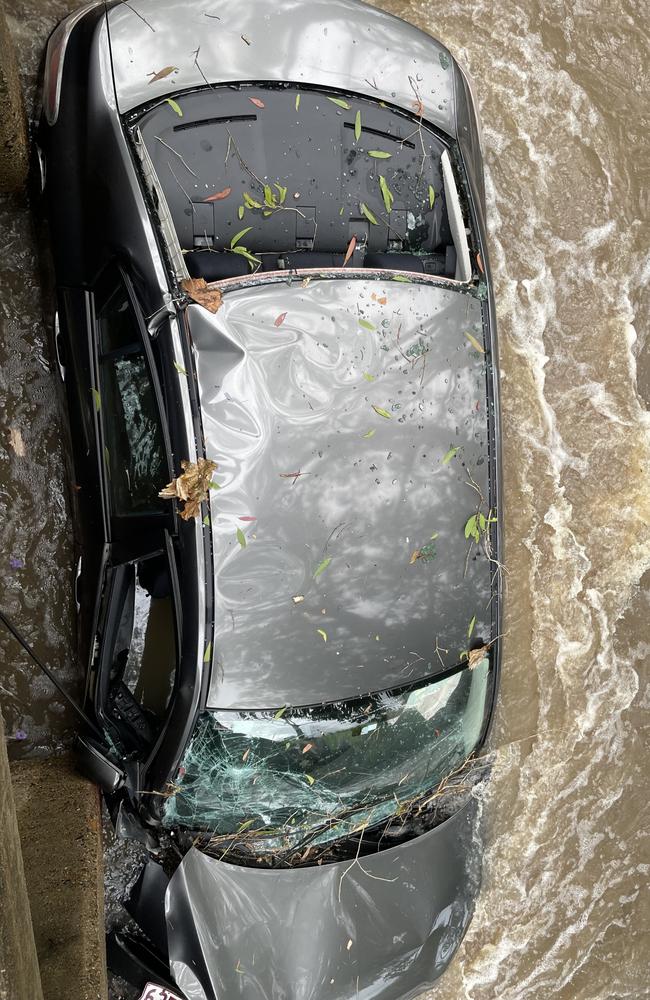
[[322, 566], [378, 154], [368, 214], [357, 126], [236, 238], [339, 102]]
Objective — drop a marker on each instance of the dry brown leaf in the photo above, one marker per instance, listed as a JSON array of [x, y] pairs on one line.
[[350, 250], [414, 557], [219, 195], [16, 441], [199, 290], [257, 102], [307, 747], [476, 656], [191, 486], [479, 262], [162, 73], [279, 320]]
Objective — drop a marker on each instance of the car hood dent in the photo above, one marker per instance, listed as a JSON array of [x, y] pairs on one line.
[[163, 47], [384, 928]]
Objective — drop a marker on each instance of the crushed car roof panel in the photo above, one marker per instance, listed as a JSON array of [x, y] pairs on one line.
[[348, 419]]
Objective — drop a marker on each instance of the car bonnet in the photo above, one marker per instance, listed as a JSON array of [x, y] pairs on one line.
[[160, 47], [348, 417], [383, 927]]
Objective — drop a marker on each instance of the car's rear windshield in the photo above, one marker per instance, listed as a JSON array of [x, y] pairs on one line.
[[297, 777], [275, 177]]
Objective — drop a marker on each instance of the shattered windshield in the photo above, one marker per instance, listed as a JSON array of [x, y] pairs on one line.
[[306, 776]]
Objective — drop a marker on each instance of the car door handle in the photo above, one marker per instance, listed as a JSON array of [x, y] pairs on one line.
[[77, 577], [57, 346]]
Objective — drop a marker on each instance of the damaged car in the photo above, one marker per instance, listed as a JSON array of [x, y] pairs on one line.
[[276, 333]]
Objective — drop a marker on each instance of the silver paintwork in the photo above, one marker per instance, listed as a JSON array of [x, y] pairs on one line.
[[384, 928], [343, 44], [293, 397]]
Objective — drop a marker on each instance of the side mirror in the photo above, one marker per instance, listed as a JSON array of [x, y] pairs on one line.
[[93, 764]]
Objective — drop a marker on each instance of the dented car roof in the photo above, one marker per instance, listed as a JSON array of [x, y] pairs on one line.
[[161, 46], [344, 415]]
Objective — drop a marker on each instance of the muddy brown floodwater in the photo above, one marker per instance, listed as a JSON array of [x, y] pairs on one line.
[[563, 93]]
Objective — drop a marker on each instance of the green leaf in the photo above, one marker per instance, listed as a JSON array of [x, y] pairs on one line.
[[250, 202], [449, 455], [240, 212], [368, 377], [206, 521], [357, 126], [471, 528], [175, 106], [213, 486], [339, 102], [297, 101], [341, 210], [380, 412], [366, 324], [386, 193], [244, 826], [245, 253], [310, 779], [368, 214], [269, 197], [322, 566], [432, 196], [179, 368], [323, 633], [475, 344], [280, 712], [282, 191], [470, 628], [267, 213], [369, 433], [400, 277], [98, 400], [379, 154], [241, 538], [482, 523], [207, 656], [236, 238]]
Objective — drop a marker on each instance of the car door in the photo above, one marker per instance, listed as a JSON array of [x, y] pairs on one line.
[[119, 437]]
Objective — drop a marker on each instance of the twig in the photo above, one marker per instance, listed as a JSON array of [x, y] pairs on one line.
[[176, 153], [138, 14], [181, 186]]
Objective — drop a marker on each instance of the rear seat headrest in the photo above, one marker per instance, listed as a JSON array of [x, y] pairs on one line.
[[213, 265]]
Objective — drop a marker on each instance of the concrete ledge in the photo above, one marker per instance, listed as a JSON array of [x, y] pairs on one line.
[[14, 156], [60, 829], [19, 975]]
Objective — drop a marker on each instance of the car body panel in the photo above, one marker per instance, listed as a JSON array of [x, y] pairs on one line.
[[162, 47], [362, 386], [383, 928]]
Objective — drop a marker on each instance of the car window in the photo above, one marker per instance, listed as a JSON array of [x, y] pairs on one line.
[[134, 452], [143, 650]]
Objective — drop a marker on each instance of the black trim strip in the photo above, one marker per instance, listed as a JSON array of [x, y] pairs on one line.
[[216, 121]]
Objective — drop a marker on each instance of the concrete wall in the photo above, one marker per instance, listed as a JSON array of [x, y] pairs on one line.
[[13, 128], [19, 972]]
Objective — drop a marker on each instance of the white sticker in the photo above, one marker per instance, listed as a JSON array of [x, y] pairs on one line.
[[153, 992]]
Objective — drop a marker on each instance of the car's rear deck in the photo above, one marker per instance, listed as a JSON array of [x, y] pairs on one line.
[[301, 172]]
